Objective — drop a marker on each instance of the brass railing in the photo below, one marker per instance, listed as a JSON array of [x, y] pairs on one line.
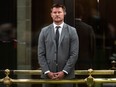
[[90, 80]]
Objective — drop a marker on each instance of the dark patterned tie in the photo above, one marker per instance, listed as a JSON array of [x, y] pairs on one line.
[[57, 36], [57, 42]]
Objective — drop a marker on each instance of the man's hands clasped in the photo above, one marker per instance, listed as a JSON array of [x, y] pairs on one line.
[[56, 76]]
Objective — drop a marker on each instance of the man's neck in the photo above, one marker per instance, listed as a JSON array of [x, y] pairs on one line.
[[78, 19], [58, 23]]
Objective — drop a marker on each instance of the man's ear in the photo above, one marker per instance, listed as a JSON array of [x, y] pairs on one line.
[[64, 13], [51, 14]]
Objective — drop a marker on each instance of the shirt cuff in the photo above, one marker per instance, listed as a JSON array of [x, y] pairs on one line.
[[65, 71], [47, 72]]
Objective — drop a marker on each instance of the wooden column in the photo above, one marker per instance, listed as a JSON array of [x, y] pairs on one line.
[[23, 37]]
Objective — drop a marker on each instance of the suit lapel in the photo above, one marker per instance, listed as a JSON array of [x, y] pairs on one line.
[[64, 30], [62, 33], [52, 33]]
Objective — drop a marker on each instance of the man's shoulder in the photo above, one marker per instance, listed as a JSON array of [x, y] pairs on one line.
[[47, 27], [84, 24], [70, 29], [69, 26]]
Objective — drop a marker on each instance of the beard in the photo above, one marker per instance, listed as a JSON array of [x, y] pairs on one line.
[[58, 19]]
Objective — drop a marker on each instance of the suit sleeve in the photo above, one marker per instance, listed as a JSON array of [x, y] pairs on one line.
[[41, 52], [74, 48]]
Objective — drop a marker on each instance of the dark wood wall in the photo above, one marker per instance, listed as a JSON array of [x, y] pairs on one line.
[[8, 11]]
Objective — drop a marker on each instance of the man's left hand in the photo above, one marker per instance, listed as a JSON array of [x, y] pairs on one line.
[[60, 75]]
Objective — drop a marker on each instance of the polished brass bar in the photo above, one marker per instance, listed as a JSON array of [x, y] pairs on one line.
[[39, 81], [1, 80], [94, 72], [105, 80], [77, 72], [35, 81], [27, 72]]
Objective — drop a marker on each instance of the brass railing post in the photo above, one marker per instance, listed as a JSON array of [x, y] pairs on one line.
[[7, 80], [90, 79]]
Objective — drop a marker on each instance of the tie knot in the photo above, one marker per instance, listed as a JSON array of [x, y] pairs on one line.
[[57, 27]]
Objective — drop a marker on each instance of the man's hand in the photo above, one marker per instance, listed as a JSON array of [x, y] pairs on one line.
[[56, 76], [60, 75], [52, 75]]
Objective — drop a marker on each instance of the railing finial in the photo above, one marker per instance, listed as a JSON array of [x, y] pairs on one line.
[[7, 80], [90, 80]]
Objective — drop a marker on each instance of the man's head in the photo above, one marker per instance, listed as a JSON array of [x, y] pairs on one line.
[[58, 11], [7, 31], [79, 11]]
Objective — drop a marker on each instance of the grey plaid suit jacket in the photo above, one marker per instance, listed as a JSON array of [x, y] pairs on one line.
[[67, 50]]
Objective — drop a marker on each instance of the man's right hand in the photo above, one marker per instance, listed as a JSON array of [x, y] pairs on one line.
[[52, 75]]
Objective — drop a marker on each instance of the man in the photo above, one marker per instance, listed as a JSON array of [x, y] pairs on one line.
[[86, 44], [57, 58], [8, 48], [86, 50]]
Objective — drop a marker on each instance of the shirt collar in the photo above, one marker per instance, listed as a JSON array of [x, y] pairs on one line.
[[78, 19], [61, 25]]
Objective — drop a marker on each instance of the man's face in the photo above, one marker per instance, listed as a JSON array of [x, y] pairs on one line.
[[57, 14]]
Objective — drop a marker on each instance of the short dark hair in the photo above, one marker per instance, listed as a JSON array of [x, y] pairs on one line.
[[79, 11], [58, 6]]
